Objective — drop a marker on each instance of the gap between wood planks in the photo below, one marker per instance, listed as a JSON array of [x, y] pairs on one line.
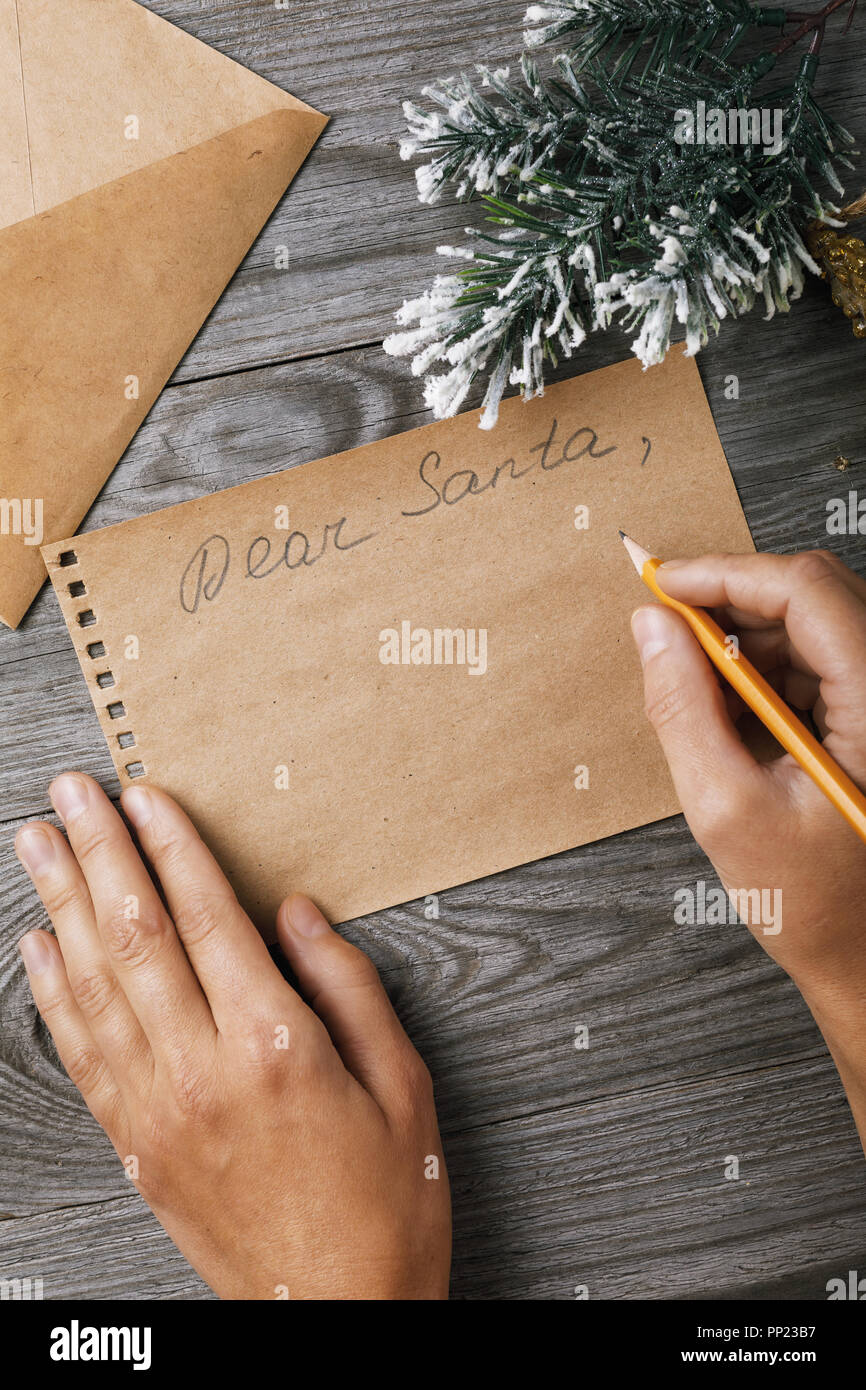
[[275, 362]]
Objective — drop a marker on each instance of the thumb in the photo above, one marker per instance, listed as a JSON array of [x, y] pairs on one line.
[[710, 765], [341, 985]]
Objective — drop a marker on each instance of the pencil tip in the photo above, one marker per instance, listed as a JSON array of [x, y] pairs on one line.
[[639, 556], [622, 535]]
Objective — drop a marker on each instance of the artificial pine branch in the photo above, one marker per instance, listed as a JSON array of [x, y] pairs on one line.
[[594, 212], [681, 30]]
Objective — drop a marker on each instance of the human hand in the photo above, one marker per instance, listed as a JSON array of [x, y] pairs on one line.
[[801, 620], [288, 1148]]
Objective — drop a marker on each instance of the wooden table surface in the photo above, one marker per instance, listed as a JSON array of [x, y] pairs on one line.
[[602, 1167]]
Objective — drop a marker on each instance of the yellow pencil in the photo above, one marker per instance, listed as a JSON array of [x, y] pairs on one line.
[[750, 685]]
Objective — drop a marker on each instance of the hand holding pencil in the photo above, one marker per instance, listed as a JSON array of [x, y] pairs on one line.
[[800, 622], [759, 695]]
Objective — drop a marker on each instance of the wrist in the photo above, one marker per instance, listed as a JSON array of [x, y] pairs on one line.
[[839, 1009], [836, 997]]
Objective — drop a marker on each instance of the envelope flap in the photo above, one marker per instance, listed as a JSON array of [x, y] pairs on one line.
[[16, 196], [101, 297], [111, 87]]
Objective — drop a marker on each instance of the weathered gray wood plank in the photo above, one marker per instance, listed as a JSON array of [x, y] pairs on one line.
[[358, 240], [599, 1167], [653, 1215]]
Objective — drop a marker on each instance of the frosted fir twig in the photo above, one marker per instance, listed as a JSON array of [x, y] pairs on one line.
[[586, 29], [479, 146]]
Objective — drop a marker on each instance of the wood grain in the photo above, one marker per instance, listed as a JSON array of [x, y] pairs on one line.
[[600, 1167]]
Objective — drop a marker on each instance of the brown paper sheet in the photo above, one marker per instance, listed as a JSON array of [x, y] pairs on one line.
[[16, 197], [247, 657], [131, 244]]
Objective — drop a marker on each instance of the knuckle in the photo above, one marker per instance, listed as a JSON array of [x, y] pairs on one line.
[[168, 848], [193, 1094], [420, 1080], [105, 1106], [83, 1067], [132, 939], [347, 976], [203, 915], [95, 990], [91, 840], [54, 1005], [414, 1083], [346, 966], [164, 841], [667, 703], [357, 969], [169, 853], [716, 812], [814, 566], [261, 1053], [62, 898]]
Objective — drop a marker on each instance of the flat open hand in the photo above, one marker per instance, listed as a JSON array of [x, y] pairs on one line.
[[289, 1149]]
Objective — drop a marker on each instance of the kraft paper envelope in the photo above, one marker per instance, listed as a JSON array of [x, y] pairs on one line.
[[136, 168], [268, 654]]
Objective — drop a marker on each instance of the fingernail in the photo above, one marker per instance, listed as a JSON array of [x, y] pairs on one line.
[[34, 848], [304, 917], [672, 564], [35, 952], [651, 631], [138, 805], [70, 796]]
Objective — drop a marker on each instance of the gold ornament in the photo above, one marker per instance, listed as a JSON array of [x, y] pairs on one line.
[[843, 263]]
